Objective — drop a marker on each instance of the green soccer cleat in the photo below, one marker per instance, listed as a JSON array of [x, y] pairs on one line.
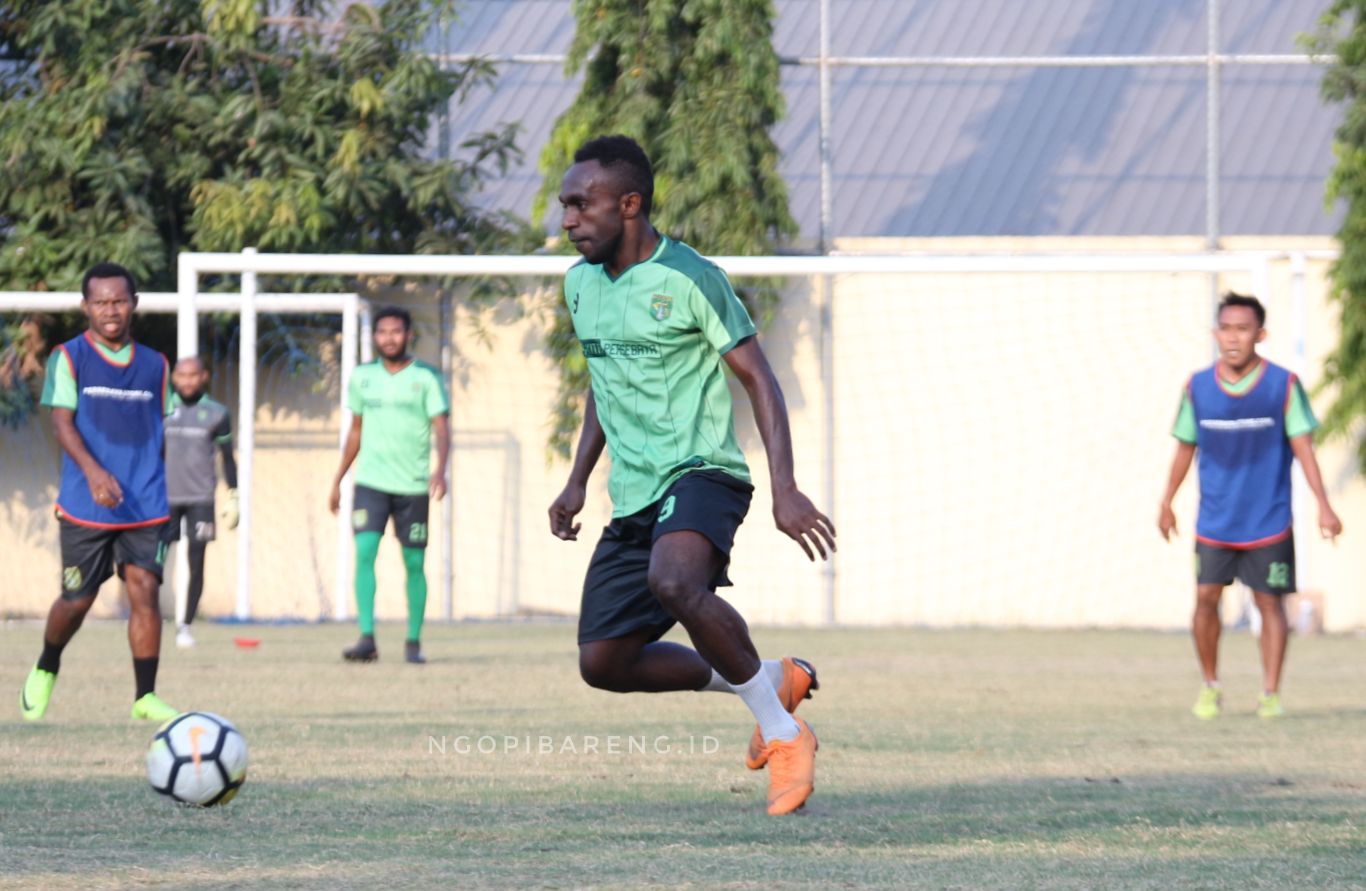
[[1208, 705], [33, 698], [150, 708], [1269, 706]]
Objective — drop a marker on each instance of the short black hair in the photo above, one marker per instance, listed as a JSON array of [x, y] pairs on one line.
[[1252, 303], [394, 312], [108, 270], [627, 160]]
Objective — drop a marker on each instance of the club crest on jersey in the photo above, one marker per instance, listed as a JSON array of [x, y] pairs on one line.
[[661, 307]]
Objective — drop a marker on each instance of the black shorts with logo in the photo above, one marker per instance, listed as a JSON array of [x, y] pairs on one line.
[[617, 600], [198, 521], [1269, 569], [371, 510], [90, 555]]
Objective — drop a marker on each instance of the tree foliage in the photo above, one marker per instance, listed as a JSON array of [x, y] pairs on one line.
[[1342, 32], [695, 82], [131, 130]]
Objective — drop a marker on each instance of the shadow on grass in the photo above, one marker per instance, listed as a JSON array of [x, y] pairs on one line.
[[1024, 810]]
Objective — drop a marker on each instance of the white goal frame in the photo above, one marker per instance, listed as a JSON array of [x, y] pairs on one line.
[[249, 263]]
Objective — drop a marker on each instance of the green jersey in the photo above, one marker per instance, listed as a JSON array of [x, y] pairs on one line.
[[653, 339], [396, 412]]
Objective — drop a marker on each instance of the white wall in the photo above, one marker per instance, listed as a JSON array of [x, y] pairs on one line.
[[1001, 443]]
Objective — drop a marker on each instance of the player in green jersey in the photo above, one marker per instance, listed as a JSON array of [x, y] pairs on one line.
[[397, 403], [657, 322]]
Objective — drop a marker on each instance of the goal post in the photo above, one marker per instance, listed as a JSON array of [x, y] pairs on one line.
[[918, 451], [1254, 266]]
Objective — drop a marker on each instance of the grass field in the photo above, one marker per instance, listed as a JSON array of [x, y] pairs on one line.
[[972, 759]]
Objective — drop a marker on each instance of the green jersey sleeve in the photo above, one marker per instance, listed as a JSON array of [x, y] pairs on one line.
[[718, 311], [1184, 428], [435, 399], [59, 387], [1299, 415], [168, 395]]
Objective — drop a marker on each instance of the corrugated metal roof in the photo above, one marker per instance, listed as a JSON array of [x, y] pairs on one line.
[[508, 26], [1010, 27], [1018, 151]]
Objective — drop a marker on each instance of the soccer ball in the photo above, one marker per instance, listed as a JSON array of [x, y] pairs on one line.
[[197, 758]]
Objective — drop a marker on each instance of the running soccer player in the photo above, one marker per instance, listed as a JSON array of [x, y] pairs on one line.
[[1247, 419], [397, 402], [656, 322], [108, 396], [196, 426]]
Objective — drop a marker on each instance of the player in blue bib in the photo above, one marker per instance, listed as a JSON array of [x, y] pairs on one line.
[[1246, 420], [108, 397]]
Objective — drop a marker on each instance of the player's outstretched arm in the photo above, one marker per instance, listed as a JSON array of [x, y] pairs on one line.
[[1303, 448], [1181, 465], [103, 487], [441, 435], [793, 512], [569, 502], [349, 452]]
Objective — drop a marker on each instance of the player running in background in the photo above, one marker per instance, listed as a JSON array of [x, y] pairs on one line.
[[108, 396], [1247, 419], [397, 403], [656, 321], [196, 427]]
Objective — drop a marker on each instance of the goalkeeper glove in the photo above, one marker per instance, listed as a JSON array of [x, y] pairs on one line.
[[232, 510]]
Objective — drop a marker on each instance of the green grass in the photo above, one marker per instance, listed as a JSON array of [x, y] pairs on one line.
[[971, 759]]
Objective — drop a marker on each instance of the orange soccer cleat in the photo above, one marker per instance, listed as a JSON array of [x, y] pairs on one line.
[[791, 770], [799, 679]]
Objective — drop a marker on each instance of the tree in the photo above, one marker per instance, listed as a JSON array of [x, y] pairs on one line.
[[131, 130], [1342, 32], [695, 82]]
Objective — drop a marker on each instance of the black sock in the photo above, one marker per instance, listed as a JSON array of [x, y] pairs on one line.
[[196, 580], [145, 670], [51, 660]]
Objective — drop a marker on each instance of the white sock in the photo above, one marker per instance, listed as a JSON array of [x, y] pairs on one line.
[[772, 667], [762, 699]]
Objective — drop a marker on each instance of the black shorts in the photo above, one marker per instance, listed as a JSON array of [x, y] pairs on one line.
[[1269, 569], [371, 510], [617, 600], [198, 519], [90, 555]]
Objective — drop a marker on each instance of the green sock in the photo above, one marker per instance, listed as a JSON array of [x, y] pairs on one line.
[[367, 549], [417, 590]]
